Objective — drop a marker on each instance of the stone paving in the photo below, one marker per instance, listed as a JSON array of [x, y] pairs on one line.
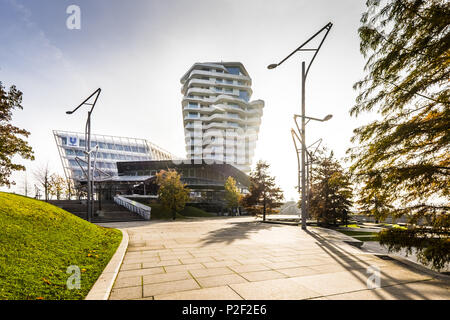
[[240, 258]]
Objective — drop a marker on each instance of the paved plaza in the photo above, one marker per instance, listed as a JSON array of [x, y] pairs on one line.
[[240, 258]]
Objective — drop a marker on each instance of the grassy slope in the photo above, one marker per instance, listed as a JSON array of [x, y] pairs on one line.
[[39, 241], [161, 213]]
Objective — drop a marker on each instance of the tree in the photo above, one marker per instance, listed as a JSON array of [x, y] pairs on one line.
[[172, 193], [42, 176], [69, 188], [263, 194], [232, 194], [57, 186], [403, 158], [25, 185], [331, 192], [11, 143]]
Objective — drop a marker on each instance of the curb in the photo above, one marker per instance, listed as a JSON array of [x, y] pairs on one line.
[[103, 286]]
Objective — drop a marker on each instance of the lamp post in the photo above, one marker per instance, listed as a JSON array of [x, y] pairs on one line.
[[87, 134], [305, 71]]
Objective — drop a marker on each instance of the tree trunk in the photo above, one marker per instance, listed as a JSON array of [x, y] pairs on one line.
[[264, 209]]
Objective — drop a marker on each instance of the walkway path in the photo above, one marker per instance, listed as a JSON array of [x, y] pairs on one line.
[[238, 258]]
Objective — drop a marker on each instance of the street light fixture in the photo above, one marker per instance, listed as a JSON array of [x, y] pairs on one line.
[[87, 134], [326, 118], [305, 71]]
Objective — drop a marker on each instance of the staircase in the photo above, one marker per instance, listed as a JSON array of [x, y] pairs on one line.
[[112, 212]]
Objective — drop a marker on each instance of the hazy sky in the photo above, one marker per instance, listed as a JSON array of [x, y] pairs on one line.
[[137, 51]]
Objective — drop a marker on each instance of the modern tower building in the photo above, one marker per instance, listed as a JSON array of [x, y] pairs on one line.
[[221, 123], [111, 149]]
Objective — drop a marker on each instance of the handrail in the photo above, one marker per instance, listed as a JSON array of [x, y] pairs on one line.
[[136, 207]]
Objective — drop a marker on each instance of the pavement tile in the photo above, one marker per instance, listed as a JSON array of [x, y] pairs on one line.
[[175, 257], [422, 290], [131, 266], [139, 260], [183, 267], [262, 275], [327, 268], [225, 263], [165, 277], [281, 265], [215, 293], [249, 268], [140, 272], [279, 289], [169, 287], [128, 282], [196, 260], [209, 272], [297, 271], [368, 294], [334, 283], [253, 261], [395, 275], [220, 280], [126, 293], [163, 263]]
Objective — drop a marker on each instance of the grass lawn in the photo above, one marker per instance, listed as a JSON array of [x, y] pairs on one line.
[[161, 213], [39, 241], [369, 236], [189, 211], [350, 226]]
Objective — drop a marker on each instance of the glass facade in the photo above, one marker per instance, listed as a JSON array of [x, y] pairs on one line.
[[111, 149]]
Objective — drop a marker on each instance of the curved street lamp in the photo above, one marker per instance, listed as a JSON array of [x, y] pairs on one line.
[[305, 71], [87, 134]]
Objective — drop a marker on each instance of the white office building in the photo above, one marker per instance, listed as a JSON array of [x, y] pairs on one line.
[[107, 151], [221, 123]]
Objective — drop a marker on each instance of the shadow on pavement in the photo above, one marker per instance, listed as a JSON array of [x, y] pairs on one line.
[[358, 268], [235, 231]]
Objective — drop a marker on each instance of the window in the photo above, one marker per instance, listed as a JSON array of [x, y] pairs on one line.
[[134, 149], [243, 95], [79, 153], [234, 70], [69, 152], [63, 141], [127, 148], [218, 80], [229, 90], [218, 89], [229, 81], [193, 104]]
